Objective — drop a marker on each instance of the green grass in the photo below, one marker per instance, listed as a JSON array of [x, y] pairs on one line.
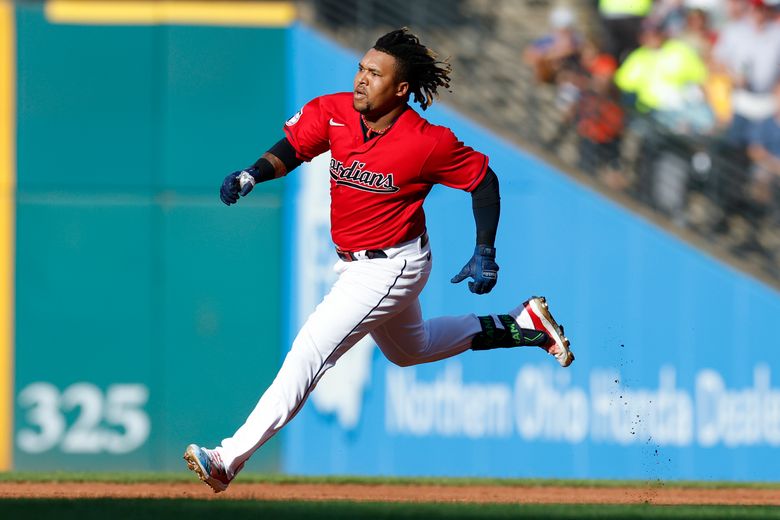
[[238, 510], [186, 476]]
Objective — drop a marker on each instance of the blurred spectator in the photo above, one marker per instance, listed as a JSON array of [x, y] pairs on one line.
[[665, 76], [713, 8], [737, 21], [748, 50], [576, 77], [599, 122], [557, 51], [592, 55], [571, 84], [671, 15], [764, 151], [621, 20], [718, 91], [697, 33], [718, 85]]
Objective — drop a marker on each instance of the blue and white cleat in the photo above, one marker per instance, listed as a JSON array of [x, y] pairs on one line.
[[535, 314], [207, 464]]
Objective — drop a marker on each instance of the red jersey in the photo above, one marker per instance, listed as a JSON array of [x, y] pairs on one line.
[[377, 187]]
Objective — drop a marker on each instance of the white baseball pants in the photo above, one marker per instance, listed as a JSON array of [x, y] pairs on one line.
[[377, 297]]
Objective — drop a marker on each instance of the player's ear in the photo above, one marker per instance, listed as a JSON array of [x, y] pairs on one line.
[[402, 89]]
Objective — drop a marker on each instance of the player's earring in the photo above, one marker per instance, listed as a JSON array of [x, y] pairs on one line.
[[510, 335]]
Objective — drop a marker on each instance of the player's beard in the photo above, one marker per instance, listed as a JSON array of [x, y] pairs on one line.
[[361, 104]]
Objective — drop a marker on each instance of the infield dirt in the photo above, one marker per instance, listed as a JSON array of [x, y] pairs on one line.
[[657, 494]]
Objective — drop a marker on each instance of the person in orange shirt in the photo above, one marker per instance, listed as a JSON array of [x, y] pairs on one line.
[[599, 121]]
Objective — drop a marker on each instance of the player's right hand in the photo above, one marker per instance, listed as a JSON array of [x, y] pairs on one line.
[[235, 184]]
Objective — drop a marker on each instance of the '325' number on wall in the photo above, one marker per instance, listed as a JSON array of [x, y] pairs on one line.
[[114, 422]]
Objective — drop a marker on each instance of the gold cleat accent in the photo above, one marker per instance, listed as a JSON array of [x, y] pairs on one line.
[[194, 464]]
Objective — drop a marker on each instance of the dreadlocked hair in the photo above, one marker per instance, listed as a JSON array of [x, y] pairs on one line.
[[417, 64]]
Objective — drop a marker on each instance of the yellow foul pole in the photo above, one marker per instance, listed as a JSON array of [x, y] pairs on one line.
[[7, 226]]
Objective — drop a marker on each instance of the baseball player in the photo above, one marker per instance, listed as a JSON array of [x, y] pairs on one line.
[[385, 160]]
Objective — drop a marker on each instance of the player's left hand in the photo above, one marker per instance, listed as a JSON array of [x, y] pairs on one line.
[[482, 268]]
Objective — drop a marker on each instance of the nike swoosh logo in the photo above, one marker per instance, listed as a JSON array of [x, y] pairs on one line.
[[333, 123]]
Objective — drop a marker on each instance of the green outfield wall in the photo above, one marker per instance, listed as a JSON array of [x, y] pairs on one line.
[[147, 314]]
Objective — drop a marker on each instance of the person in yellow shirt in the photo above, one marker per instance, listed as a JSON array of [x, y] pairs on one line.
[[621, 20], [665, 77]]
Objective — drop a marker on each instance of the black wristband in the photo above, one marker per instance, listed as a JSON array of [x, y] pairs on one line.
[[262, 170], [486, 237]]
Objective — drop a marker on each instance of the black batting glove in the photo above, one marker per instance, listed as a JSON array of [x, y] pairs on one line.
[[482, 268]]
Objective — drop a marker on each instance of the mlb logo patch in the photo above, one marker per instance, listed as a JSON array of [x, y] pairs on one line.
[[294, 119]]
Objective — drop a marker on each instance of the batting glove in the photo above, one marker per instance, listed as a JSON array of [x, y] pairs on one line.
[[482, 268], [237, 183]]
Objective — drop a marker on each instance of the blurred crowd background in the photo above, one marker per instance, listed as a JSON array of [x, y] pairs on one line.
[[671, 107]]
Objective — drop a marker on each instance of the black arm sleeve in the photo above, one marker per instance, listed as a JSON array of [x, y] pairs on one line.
[[285, 152], [486, 203]]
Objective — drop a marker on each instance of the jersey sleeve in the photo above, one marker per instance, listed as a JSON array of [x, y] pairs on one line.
[[454, 164], [307, 131]]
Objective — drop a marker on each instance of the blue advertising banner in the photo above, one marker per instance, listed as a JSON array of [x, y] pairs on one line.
[[674, 371]]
